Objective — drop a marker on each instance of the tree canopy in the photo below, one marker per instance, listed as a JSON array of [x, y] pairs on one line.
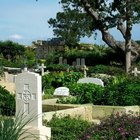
[[101, 15], [11, 50]]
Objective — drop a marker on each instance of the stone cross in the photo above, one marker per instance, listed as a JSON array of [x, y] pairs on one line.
[[84, 68], [42, 67], [135, 71]]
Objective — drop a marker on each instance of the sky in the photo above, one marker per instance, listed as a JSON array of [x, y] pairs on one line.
[[24, 21]]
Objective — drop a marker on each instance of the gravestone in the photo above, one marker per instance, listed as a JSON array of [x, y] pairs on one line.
[[83, 61], [61, 91], [96, 81], [29, 102], [42, 67], [74, 64], [65, 61], [60, 60], [78, 61], [135, 71]]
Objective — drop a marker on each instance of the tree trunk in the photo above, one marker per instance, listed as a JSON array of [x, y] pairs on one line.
[[128, 37], [133, 52]]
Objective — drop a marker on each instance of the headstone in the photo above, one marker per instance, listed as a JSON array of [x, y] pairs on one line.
[[29, 96], [29, 102], [74, 64], [78, 61], [65, 61], [42, 67], [82, 61], [135, 71], [61, 91], [96, 81], [60, 60]]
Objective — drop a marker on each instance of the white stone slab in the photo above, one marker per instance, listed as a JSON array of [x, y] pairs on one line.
[[29, 97], [96, 81], [61, 91]]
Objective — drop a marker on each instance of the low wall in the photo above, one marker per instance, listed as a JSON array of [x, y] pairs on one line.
[[100, 112], [82, 112], [87, 112]]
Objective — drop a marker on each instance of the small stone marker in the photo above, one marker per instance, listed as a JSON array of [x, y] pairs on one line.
[[61, 91], [60, 60], [82, 61], [29, 102], [84, 68], [74, 64], [96, 81], [135, 71], [65, 61], [42, 67], [78, 61]]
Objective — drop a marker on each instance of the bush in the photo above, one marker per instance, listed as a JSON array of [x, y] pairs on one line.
[[105, 69], [116, 127], [12, 128], [123, 93], [56, 79], [7, 102], [67, 128], [84, 93]]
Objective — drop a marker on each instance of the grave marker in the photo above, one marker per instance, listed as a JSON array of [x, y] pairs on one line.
[[61, 91], [78, 61], [96, 81], [29, 103], [42, 67], [135, 71]]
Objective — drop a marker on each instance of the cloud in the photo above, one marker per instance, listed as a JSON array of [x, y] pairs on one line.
[[15, 36]]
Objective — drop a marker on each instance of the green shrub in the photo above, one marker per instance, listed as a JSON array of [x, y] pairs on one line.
[[106, 69], [126, 92], [67, 128], [56, 79], [12, 128], [7, 102], [116, 127], [84, 93]]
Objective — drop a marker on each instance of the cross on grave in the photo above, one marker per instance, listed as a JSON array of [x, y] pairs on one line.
[[84, 68], [26, 96], [29, 105], [135, 71], [42, 67]]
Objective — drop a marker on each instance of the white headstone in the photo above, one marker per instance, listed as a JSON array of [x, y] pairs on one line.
[[29, 97], [96, 81], [61, 91]]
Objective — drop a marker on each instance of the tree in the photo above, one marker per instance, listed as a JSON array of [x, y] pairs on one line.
[[67, 25], [106, 14], [11, 51]]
